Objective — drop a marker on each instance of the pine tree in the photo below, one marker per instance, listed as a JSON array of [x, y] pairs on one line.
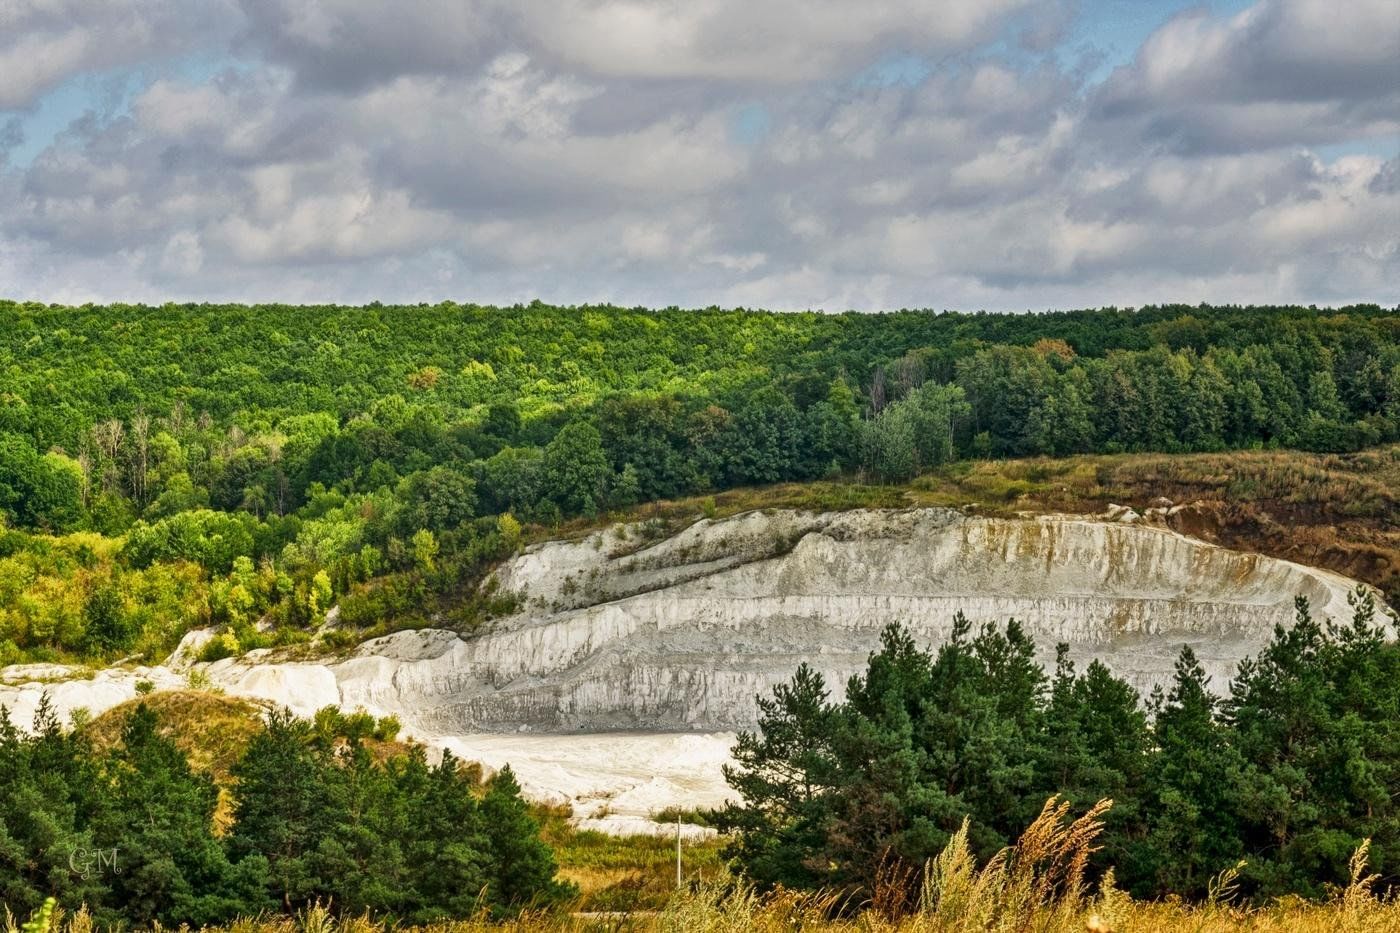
[[160, 826], [781, 773], [50, 791], [282, 811], [1315, 719], [360, 859], [447, 850], [1095, 746], [1190, 792], [522, 865]]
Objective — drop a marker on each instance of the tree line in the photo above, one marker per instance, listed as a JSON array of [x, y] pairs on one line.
[[316, 819], [162, 467], [1285, 776]]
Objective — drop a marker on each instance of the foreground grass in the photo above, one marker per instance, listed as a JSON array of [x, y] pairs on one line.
[[1036, 886], [716, 908], [713, 912]]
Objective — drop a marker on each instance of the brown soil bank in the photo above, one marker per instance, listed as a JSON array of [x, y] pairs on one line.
[[1340, 512], [1336, 511]]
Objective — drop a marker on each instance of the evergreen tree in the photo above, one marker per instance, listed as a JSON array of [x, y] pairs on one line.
[[283, 809], [1313, 717], [1191, 786], [159, 824], [781, 774], [360, 859], [446, 846], [1095, 746], [522, 872], [50, 792]]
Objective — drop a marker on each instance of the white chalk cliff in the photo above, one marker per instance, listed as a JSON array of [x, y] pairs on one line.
[[683, 632], [615, 633]]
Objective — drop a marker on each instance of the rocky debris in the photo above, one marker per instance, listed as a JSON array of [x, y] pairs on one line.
[[1121, 513], [186, 653]]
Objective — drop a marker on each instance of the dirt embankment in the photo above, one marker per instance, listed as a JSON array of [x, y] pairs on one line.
[[1340, 512]]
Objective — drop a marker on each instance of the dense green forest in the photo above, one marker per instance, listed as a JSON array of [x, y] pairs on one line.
[[163, 467], [1284, 779], [130, 832]]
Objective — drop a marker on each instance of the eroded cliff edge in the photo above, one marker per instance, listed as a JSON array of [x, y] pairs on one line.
[[616, 632], [619, 632]]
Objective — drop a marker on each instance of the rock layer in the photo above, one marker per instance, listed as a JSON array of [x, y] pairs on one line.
[[682, 633], [619, 633]]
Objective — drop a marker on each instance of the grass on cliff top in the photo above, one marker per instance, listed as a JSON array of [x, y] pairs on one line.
[[1364, 485], [1340, 512], [210, 728]]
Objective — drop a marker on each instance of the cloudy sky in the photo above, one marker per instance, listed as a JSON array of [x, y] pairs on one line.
[[1000, 154]]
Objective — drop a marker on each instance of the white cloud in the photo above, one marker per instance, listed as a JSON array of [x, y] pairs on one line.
[[588, 151], [1281, 72]]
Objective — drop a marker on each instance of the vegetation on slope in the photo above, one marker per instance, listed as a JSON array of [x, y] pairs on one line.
[[131, 830], [251, 467]]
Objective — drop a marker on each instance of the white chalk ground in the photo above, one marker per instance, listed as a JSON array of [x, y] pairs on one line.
[[614, 781]]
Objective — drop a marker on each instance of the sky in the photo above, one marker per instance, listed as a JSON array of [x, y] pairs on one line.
[[788, 154]]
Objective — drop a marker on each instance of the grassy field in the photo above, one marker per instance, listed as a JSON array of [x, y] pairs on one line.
[[626, 873]]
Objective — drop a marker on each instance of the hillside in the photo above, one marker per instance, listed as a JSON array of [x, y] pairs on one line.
[[168, 467]]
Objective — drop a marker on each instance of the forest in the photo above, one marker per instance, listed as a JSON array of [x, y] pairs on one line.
[[1276, 784], [250, 467], [130, 832]]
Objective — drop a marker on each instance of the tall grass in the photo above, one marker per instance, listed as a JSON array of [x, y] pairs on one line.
[[1036, 886]]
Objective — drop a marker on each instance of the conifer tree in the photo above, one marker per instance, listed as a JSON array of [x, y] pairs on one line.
[[522, 865], [1191, 787], [159, 824], [283, 809]]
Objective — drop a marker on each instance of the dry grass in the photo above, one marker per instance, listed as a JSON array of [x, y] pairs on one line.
[[624, 873], [212, 729], [1036, 886], [1336, 511]]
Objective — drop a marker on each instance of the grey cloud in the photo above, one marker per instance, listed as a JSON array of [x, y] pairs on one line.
[[510, 160], [348, 45], [1387, 180], [1282, 72]]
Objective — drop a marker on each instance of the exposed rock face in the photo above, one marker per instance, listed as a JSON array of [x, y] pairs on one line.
[[681, 633]]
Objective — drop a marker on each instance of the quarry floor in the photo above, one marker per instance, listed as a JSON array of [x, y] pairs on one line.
[[614, 781]]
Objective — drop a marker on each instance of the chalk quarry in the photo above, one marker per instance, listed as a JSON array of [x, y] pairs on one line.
[[620, 632]]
